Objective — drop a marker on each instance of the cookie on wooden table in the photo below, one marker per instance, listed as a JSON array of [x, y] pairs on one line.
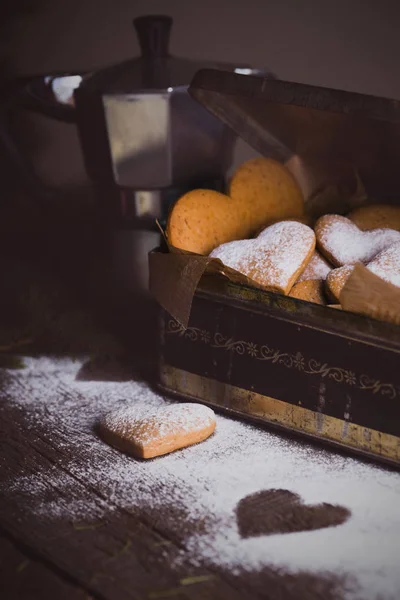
[[343, 243], [310, 291], [266, 191], [274, 259], [376, 216], [166, 430]]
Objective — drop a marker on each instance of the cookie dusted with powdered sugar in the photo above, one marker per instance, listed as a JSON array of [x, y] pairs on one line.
[[385, 265], [317, 269], [161, 432], [343, 243], [336, 281], [275, 259]]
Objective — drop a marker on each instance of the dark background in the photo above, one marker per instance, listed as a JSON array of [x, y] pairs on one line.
[[346, 44], [52, 262]]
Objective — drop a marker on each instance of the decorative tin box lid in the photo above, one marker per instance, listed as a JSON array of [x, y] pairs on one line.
[[282, 119]]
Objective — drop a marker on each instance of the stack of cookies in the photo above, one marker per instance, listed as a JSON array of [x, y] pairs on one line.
[[261, 229]]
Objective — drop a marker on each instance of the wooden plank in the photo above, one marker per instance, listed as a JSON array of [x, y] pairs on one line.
[[25, 578], [115, 552]]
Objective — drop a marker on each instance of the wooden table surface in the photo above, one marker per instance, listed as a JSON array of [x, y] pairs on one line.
[[113, 552], [68, 530], [120, 557]]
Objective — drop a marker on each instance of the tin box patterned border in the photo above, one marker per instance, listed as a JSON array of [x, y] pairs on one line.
[[309, 366]]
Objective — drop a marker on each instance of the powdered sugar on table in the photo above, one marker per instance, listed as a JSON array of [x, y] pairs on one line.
[[208, 480]]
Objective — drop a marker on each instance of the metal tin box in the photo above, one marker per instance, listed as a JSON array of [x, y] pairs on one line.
[[325, 373]]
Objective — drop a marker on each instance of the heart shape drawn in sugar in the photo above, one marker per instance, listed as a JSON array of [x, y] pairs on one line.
[[273, 260], [343, 243], [272, 512]]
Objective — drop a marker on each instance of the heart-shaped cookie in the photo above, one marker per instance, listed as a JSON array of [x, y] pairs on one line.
[[317, 269], [305, 219], [310, 291], [343, 243], [266, 191], [385, 265], [280, 511], [165, 430], [203, 219], [336, 280], [376, 216], [273, 260], [262, 190]]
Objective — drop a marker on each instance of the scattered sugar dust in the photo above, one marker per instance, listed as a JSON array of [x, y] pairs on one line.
[[207, 481]]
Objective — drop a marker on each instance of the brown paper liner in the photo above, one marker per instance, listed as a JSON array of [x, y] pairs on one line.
[[333, 187], [174, 277], [367, 294]]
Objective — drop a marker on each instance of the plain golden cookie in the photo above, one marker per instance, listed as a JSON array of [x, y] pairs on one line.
[[273, 260], [310, 291], [201, 220], [266, 191], [166, 430], [376, 216], [343, 243]]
